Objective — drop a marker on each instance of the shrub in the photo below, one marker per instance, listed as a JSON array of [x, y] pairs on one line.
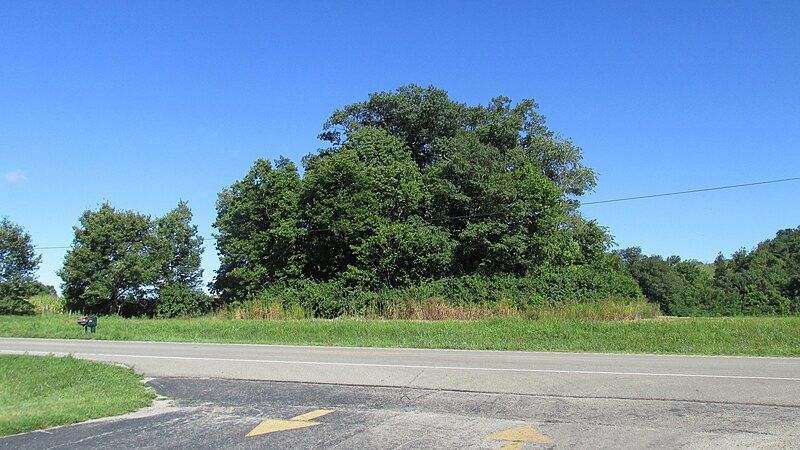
[[12, 297], [175, 299], [471, 296], [15, 306]]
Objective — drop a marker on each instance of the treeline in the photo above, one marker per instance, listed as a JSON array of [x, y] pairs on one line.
[[120, 262], [415, 198], [763, 281]]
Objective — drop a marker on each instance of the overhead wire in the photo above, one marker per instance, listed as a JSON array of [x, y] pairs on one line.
[[597, 202], [690, 191]]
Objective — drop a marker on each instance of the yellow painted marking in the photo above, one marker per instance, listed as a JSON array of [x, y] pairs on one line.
[[273, 425], [512, 446], [312, 415], [518, 435], [301, 421]]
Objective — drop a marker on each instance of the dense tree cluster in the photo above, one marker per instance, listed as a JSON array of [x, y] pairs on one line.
[[414, 186], [681, 288], [123, 262], [764, 281]]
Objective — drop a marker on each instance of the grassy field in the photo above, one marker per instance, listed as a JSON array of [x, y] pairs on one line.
[[778, 336], [43, 391]]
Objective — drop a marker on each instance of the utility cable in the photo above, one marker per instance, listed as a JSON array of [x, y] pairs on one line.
[[623, 199], [691, 191]]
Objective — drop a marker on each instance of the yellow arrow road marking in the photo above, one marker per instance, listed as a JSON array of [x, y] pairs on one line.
[[313, 414], [301, 421], [273, 425], [519, 435], [513, 446]]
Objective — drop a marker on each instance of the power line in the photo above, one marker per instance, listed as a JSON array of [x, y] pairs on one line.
[[469, 216], [691, 191]]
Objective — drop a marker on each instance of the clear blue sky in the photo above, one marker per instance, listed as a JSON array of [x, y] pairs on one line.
[[146, 103]]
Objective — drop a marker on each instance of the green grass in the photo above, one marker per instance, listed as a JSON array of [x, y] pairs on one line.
[[43, 391], [778, 336]]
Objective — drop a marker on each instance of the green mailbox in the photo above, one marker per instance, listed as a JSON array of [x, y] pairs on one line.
[[89, 322]]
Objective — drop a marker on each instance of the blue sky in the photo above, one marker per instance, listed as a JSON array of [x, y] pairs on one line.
[[143, 103]]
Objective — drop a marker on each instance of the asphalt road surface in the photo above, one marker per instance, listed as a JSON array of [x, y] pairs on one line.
[[255, 396]]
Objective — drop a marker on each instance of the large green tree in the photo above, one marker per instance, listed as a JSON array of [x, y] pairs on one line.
[[123, 262], [110, 262], [259, 231], [18, 265], [177, 252], [349, 195], [422, 116], [413, 186], [178, 248]]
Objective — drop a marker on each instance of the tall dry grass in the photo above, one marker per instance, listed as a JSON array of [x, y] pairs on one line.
[[601, 310], [439, 309], [256, 309]]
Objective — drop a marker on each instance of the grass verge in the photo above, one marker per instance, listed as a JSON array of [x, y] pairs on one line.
[[773, 336], [43, 391]]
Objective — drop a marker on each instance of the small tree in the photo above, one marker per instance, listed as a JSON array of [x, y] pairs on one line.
[[18, 265], [175, 299]]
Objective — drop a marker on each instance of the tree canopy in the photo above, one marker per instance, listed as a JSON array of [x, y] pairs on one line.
[[126, 263], [763, 281], [681, 288], [413, 186], [18, 266]]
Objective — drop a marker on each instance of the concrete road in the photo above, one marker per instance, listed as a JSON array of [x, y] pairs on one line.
[[392, 398]]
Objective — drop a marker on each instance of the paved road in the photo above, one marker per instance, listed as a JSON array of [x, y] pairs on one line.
[[764, 381], [427, 398]]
